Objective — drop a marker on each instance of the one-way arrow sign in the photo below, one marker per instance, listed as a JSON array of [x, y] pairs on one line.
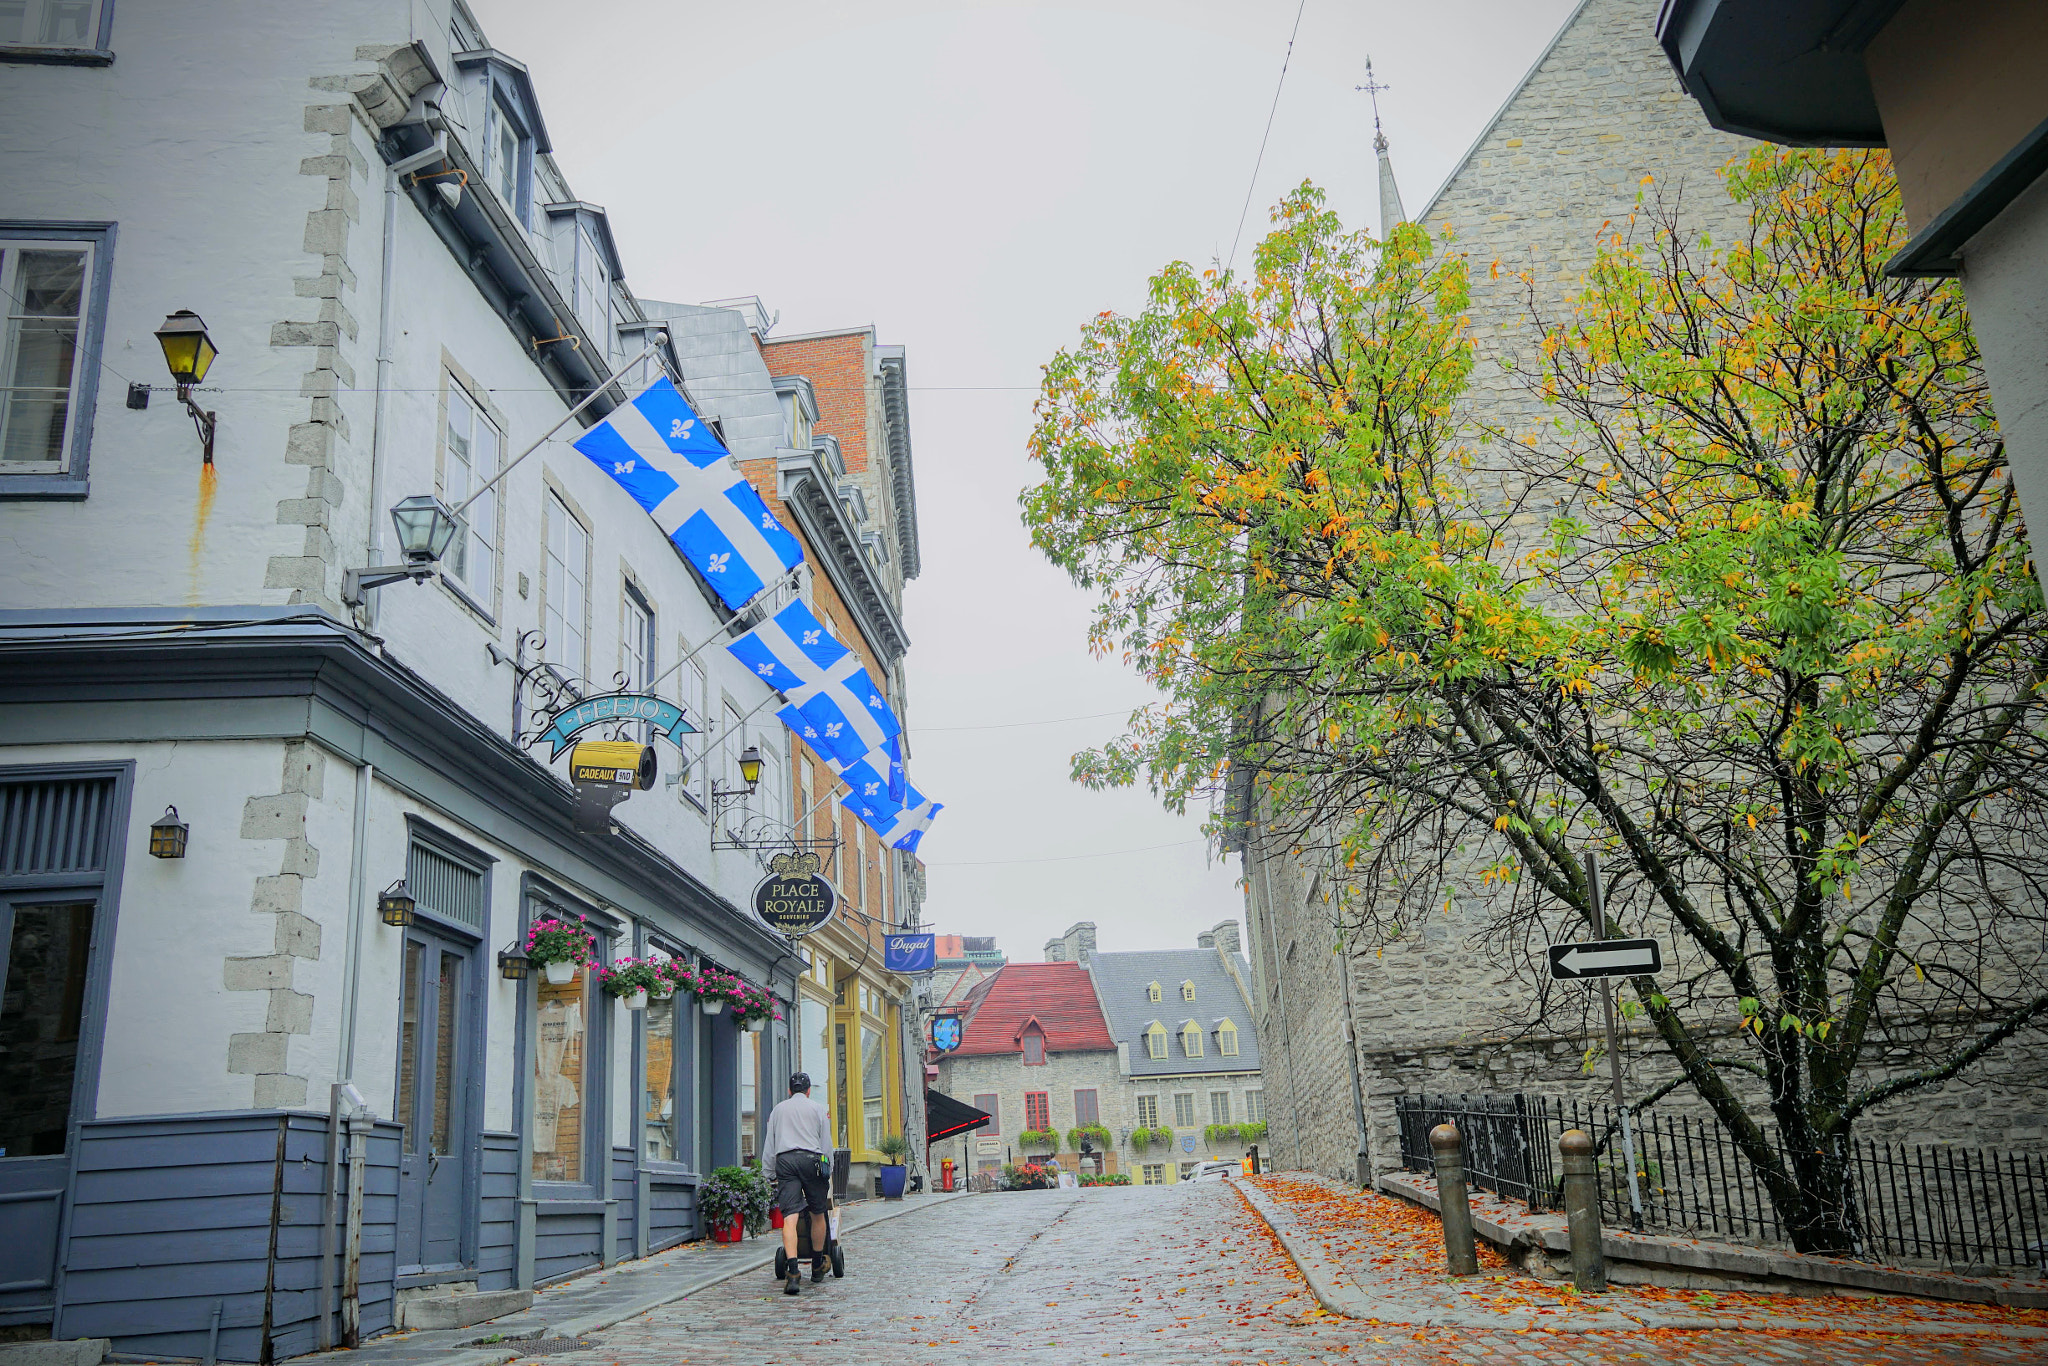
[[1606, 958]]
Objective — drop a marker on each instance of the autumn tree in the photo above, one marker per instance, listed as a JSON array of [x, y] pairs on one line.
[[1750, 612]]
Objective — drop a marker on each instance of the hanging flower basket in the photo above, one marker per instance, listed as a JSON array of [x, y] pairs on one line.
[[630, 980], [560, 948], [712, 1005], [753, 1007]]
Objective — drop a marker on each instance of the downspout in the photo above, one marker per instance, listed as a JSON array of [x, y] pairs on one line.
[[1286, 1029], [1357, 1077], [343, 1087], [392, 175]]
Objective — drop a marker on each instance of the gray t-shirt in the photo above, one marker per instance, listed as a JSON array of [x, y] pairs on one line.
[[798, 1124]]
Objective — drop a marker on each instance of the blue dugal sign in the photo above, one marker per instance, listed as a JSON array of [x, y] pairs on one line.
[[662, 716], [910, 953]]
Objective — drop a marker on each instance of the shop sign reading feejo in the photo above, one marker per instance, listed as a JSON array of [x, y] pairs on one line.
[[794, 898]]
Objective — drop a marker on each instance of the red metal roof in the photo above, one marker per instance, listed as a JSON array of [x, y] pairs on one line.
[[1058, 996]]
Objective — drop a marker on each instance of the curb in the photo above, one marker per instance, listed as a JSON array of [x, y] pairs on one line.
[[1326, 1282]]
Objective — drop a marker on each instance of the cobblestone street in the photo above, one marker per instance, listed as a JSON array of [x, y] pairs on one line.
[[1178, 1274]]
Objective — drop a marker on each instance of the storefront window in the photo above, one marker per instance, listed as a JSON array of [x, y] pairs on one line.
[[840, 1111], [871, 1084], [750, 1071], [658, 1102], [45, 960], [558, 1074], [816, 1042]]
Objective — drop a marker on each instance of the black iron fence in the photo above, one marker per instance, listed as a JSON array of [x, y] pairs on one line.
[[1961, 1207]]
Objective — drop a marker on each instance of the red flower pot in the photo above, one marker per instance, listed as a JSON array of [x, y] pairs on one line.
[[775, 1216], [728, 1230]]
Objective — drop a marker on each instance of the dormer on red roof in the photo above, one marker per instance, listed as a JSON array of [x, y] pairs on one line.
[[1055, 999]]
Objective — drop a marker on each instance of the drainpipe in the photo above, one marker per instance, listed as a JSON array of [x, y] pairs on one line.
[[1286, 1029], [392, 175], [1357, 1077], [343, 1087]]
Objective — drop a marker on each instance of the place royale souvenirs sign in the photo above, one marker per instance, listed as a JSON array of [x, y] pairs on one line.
[[794, 898]]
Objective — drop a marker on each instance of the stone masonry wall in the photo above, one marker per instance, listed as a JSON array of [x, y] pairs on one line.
[[1006, 1075], [1567, 155]]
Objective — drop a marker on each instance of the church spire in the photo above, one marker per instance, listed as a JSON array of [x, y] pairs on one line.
[[1391, 212]]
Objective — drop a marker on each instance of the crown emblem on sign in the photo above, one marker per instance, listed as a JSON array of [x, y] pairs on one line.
[[803, 865]]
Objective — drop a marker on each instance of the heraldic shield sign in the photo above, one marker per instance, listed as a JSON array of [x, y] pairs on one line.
[[794, 898], [946, 1033]]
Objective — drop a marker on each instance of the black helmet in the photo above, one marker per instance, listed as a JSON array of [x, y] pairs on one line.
[[799, 1081]]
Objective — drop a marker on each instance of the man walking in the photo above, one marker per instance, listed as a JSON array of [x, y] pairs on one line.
[[797, 1148]]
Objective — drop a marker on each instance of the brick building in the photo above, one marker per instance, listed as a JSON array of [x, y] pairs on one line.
[[820, 425], [1567, 152]]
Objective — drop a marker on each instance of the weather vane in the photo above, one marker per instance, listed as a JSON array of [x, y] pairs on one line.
[[1372, 88]]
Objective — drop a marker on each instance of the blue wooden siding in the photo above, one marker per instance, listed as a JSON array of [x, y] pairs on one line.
[[171, 1217], [568, 1237], [497, 1243], [31, 1206], [624, 1176], [671, 1210]]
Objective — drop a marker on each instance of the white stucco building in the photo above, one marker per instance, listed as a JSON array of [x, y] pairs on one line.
[[361, 204]]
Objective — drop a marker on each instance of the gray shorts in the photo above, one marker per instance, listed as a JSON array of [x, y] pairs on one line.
[[800, 1183]]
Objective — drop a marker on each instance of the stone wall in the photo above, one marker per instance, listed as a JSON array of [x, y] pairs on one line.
[[1005, 1074], [1600, 120]]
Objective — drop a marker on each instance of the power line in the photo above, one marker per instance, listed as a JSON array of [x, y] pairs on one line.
[[1277, 86], [1012, 725], [1068, 858]]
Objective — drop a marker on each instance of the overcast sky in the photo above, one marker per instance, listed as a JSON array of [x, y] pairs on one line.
[[977, 180]]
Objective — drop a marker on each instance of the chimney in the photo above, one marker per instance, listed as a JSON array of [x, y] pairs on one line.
[[1079, 943], [1055, 950], [1205, 940], [1224, 936]]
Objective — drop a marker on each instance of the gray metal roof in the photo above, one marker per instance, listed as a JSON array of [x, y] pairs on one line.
[[1122, 980]]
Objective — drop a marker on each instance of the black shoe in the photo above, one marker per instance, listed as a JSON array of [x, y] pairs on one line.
[[793, 1283], [817, 1269]]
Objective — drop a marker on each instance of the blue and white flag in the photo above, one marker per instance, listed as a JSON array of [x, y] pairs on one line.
[[868, 797], [675, 467], [911, 820], [899, 776], [826, 686]]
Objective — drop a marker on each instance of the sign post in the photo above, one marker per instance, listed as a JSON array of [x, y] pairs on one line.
[[1615, 969]]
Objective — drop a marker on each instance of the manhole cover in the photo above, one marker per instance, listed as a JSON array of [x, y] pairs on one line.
[[547, 1347]]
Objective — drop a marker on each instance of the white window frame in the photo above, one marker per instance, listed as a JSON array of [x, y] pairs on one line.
[[1191, 1041], [1219, 1107], [1148, 1112], [693, 688], [1183, 1109], [1226, 1040], [575, 538], [1155, 1042], [500, 119], [1255, 1106], [36, 15], [480, 534], [593, 287], [84, 351]]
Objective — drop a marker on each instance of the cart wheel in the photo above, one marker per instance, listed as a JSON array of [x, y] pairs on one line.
[[838, 1262], [781, 1264]]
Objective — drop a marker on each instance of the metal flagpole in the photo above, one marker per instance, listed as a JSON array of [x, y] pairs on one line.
[[587, 400], [1628, 1141], [721, 628]]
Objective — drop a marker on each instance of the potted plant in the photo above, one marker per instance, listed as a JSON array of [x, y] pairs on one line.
[[630, 980], [715, 988], [733, 1201], [1040, 1138], [753, 1007], [560, 948], [1094, 1134], [892, 1148], [1219, 1133], [1028, 1176]]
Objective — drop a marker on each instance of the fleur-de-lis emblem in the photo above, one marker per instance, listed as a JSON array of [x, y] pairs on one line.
[[810, 732], [811, 637], [873, 700], [871, 789], [623, 466], [832, 729], [767, 521], [680, 429], [716, 563], [766, 670]]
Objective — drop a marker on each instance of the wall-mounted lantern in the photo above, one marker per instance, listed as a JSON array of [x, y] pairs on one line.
[[426, 528], [513, 965], [395, 906], [750, 778], [189, 353], [167, 836]]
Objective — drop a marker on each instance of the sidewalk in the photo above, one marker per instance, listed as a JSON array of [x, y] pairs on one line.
[[1372, 1257], [601, 1298]]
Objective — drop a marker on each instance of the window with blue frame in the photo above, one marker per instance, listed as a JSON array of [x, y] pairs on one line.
[[55, 30], [53, 285]]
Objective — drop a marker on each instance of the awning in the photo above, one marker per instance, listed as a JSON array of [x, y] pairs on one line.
[[945, 1116]]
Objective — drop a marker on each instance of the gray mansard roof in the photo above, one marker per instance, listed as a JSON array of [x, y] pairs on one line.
[[1122, 980]]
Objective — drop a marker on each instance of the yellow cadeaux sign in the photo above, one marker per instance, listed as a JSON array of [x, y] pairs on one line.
[[623, 763]]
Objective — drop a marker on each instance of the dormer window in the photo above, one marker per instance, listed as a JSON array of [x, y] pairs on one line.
[[1155, 1040], [1153, 993], [1226, 1038], [1034, 1047], [512, 133], [1191, 1039], [508, 158], [584, 233], [796, 423], [1187, 991], [593, 286]]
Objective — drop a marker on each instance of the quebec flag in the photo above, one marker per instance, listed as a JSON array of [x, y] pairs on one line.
[[833, 704], [674, 466], [911, 820], [901, 825]]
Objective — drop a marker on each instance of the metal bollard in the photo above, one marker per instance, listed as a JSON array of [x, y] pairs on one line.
[[1582, 1211], [1447, 1149]]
